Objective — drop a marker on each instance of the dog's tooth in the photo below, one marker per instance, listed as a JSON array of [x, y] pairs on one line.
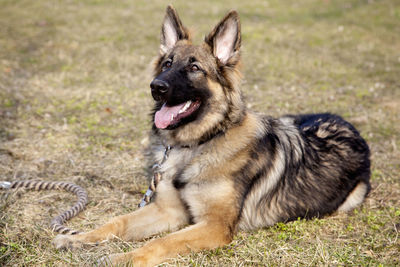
[[187, 105], [172, 117]]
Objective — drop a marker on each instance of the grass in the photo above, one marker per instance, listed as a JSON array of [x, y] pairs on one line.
[[74, 104]]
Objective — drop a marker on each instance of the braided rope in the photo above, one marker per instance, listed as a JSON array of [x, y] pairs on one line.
[[57, 223]]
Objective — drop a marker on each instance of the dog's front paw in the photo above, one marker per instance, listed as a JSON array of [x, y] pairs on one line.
[[67, 242]]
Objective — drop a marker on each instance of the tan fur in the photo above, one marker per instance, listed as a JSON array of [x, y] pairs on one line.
[[205, 235]]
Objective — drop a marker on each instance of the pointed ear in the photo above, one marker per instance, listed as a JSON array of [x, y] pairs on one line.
[[225, 39], [172, 30]]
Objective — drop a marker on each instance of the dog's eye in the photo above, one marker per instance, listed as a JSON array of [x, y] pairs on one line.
[[167, 64], [194, 68]]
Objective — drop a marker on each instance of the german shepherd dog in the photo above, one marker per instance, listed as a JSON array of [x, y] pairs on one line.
[[229, 168]]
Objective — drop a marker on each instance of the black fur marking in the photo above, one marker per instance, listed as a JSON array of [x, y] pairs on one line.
[[264, 148], [178, 184], [191, 217], [205, 138]]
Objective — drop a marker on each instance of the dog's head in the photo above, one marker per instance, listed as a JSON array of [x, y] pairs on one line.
[[196, 86]]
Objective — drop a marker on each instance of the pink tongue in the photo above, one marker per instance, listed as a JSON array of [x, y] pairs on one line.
[[162, 118]]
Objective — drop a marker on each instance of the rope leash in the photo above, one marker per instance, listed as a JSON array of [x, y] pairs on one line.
[[57, 223]]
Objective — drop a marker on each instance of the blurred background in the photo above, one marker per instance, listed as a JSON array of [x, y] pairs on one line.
[[75, 104]]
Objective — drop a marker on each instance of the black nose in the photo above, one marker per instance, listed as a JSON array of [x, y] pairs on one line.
[[159, 89]]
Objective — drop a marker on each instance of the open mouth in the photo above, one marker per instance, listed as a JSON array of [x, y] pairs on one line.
[[169, 116]]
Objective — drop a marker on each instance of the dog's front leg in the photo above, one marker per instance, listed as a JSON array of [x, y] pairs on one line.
[[166, 213], [203, 235]]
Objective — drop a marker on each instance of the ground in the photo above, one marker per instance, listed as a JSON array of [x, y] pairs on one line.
[[75, 99]]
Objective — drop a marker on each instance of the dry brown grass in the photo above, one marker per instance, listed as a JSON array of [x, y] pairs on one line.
[[74, 100]]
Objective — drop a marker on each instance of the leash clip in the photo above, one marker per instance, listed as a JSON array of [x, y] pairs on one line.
[[166, 150]]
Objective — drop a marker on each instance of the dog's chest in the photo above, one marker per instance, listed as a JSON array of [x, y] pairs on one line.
[[177, 164]]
